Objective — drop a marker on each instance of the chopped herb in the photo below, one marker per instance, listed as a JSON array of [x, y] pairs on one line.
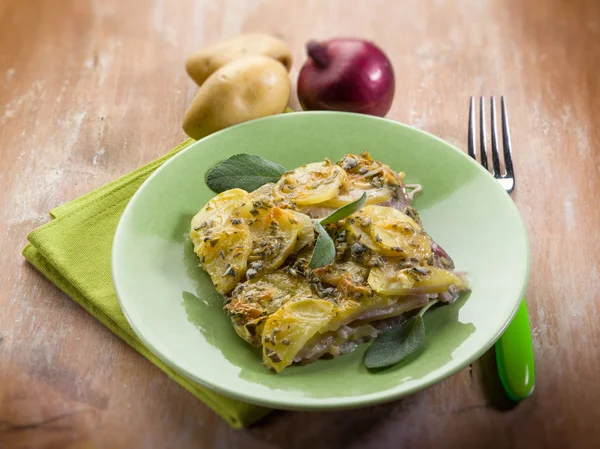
[[275, 358], [348, 163], [420, 270], [358, 250]]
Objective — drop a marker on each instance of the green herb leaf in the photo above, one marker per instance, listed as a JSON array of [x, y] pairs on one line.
[[396, 344], [346, 211], [243, 171], [324, 252], [427, 306]]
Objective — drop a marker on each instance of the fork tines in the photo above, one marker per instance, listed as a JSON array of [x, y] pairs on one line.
[[507, 179]]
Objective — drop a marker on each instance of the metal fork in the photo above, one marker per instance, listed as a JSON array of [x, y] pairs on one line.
[[514, 349], [506, 179]]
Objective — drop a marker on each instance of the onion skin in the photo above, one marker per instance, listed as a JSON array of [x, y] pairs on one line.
[[346, 74]]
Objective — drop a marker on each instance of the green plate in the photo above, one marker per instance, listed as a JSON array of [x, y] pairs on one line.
[[172, 306]]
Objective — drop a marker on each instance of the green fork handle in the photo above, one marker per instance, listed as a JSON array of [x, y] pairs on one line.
[[514, 356]]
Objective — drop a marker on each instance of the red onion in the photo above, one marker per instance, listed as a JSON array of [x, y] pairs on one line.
[[347, 74]]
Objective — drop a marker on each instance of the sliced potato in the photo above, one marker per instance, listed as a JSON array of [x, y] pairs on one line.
[[210, 58], [363, 169], [374, 196], [274, 235], [334, 273], [268, 293], [411, 281], [392, 230], [383, 214], [263, 193], [218, 213], [306, 234], [311, 184], [224, 256], [389, 232], [254, 300], [286, 331]]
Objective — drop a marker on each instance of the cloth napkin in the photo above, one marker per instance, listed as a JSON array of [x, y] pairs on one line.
[[73, 250]]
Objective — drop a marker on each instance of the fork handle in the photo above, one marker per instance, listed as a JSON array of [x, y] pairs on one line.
[[514, 356]]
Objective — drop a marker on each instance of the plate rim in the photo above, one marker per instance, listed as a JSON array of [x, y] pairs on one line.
[[304, 402]]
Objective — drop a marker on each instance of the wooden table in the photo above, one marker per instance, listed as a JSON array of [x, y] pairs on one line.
[[90, 90]]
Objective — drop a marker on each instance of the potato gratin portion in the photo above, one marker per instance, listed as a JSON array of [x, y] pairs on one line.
[[257, 246]]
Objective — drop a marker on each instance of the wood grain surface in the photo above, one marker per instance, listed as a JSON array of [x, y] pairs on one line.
[[90, 90]]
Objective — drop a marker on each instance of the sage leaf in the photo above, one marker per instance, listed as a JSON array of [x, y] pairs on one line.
[[324, 252], [243, 171], [346, 211], [396, 344]]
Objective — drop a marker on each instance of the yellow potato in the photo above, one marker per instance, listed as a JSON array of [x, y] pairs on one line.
[[218, 212], [374, 195], [263, 193], [222, 238], [211, 58], [287, 330], [274, 235], [311, 184], [411, 281], [253, 301], [389, 232], [224, 257], [243, 90], [306, 235]]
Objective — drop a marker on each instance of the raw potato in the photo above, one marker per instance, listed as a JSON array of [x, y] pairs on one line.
[[246, 89], [209, 59]]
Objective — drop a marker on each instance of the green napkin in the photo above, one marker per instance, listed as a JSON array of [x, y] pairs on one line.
[[74, 252]]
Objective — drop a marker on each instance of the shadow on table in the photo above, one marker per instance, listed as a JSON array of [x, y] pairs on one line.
[[400, 419], [491, 385]]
